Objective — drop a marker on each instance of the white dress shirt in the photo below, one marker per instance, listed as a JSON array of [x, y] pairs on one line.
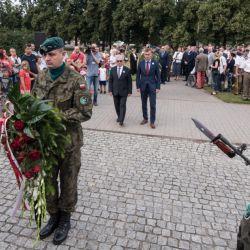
[[119, 71]]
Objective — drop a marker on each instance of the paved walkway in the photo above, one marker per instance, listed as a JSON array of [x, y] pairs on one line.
[[142, 193], [176, 104]]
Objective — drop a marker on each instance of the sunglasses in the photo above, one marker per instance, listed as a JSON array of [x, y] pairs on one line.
[[119, 60]]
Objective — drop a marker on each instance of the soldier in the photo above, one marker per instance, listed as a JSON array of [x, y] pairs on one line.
[[68, 91], [243, 237]]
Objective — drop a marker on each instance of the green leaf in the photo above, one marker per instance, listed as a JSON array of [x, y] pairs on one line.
[[36, 119], [28, 132], [44, 107]]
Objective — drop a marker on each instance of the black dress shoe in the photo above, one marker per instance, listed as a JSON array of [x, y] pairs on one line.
[[117, 120], [121, 124], [152, 125], [61, 233], [144, 122], [50, 227]]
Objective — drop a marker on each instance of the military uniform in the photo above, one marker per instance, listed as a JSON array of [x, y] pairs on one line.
[[68, 91], [70, 94], [243, 237]]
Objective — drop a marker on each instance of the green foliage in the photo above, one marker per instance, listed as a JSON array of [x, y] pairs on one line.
[[228, 97], [15, 38]]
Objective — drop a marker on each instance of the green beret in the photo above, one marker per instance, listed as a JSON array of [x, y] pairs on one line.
[[50, 44]]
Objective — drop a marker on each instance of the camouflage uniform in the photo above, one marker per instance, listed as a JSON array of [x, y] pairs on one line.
[[70, 94], [243, 237]]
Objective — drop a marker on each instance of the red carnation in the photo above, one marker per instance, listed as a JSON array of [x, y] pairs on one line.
[[25, 138], [29, 174], [17, 139], [34, 154], [36, 169], [15, 145], [19, 125], [20, 157]]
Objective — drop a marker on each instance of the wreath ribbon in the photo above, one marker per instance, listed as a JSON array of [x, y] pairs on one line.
[[13, 162]]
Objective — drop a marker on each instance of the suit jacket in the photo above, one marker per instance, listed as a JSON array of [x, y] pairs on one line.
[[164, 59], [152, 79], [120, 86], [191, 59], [133, 63], [201, 62]]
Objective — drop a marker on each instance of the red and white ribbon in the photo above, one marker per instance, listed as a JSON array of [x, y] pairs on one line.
[[13, 162]]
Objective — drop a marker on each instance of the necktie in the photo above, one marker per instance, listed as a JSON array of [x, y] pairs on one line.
[[147, 67], [119, 72]]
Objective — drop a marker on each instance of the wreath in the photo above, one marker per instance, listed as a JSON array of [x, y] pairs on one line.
[[34, 137]]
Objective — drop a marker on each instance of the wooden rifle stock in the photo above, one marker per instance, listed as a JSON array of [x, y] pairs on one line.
[[224, 148]]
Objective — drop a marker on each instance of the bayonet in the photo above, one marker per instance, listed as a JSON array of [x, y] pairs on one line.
[[222, 143]]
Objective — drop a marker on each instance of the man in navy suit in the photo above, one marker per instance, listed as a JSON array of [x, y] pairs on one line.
[[164, 62], [120, 87], [148, 81]]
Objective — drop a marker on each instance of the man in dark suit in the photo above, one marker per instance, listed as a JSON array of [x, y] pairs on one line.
[[164, 62], [120, 87], [191, 55], [148, 83], [133, 61]]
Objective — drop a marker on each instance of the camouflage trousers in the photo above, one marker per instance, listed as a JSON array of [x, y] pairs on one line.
[[243, 239], [67, 171]]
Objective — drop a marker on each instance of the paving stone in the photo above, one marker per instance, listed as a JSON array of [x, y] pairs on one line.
[[186, 195]]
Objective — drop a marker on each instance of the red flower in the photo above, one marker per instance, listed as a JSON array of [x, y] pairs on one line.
[[34, 154], [20, 157], [36, 169], [25, 138], [19, 125], [15, 145], [29, 174]]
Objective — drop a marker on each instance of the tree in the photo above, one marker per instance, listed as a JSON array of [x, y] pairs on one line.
[[128, 22], [159, 19], [70, 19], [10, 15]]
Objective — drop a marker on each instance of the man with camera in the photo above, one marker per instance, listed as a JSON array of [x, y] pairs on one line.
[[93, 59]]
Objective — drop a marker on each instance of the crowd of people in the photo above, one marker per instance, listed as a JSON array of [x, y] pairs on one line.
[[221, 68]]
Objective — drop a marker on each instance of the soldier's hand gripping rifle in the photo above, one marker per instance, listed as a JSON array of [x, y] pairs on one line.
[[222, 143]]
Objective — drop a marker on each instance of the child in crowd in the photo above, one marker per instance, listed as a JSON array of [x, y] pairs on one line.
[[5, 82], [103, 76], [25, 79], [41, 64]]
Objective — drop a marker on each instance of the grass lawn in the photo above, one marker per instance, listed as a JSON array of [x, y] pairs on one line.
[[228, 97]]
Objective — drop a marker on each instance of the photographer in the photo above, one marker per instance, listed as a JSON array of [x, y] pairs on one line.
[[93, 60]]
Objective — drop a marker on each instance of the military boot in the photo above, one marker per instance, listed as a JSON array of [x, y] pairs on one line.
[[62, 231], [50, 227]]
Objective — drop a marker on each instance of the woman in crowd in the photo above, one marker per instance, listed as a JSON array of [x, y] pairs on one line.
[[216, 73], [5, 62], [177, 58], [230, 71], [112, 59], [16, 64]]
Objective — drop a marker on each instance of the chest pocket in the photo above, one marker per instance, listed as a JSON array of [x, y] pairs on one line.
[[65, 102]]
